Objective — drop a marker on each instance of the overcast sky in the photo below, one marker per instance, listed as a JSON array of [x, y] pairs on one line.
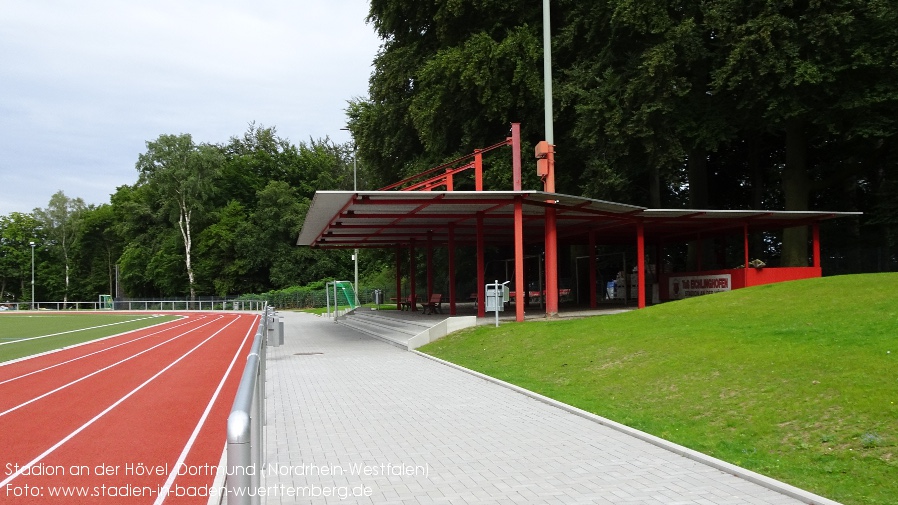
[[85, 84]]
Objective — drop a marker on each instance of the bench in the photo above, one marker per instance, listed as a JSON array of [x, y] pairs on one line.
[[435, 304], [407, 303]]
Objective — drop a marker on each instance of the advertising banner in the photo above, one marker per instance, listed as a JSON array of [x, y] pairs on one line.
[[696, 285]]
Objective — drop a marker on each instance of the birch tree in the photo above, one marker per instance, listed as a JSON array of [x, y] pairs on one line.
[[181, 175], [61, 220]]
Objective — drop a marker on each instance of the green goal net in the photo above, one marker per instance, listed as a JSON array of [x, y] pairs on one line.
[[105, 302], [341, 295]]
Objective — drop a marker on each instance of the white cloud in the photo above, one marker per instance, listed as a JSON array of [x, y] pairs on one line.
[[84, 84]]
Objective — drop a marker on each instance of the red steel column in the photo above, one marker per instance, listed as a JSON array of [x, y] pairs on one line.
[[640, 264], [551, 240], [451, 269], [429, 265], [478, 170], [411, 277], [449, 183], [746, 246], [481, 275], [551, 263], [816, 232], [519, 258], [592, 269], [398, 277], [516, 156]]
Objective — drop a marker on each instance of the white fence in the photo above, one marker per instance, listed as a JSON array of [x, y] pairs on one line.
[[180, 304]]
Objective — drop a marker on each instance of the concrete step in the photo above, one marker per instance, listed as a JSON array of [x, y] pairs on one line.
[[401, 325], [402, 330]]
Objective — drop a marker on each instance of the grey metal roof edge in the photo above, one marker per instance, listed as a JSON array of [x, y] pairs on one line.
[[307, 236], [760, 212]]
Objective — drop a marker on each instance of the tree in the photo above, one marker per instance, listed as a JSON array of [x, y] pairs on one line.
[[97, 247], [61, 221], [17, 230], [817, 74], [181, 175]]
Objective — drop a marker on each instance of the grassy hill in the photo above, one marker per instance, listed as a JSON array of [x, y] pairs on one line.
[[797, 381]]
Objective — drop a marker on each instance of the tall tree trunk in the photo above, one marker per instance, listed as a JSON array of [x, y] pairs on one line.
[[697, 172], [109, 268], [184, 225], [796, 189], [65, 296]]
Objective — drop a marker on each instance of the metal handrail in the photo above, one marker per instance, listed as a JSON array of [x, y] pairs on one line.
[[245, 455], [148, 304]]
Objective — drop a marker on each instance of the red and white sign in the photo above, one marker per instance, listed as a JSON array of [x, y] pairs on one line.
[[696, 285]]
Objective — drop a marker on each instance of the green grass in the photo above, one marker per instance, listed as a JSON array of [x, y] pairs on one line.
[[797, 381], [17, 330]]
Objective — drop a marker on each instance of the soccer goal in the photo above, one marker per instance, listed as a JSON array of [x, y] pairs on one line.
[[105, 302], [341, 298]]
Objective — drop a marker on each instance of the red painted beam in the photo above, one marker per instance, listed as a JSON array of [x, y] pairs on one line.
[[640, 264]]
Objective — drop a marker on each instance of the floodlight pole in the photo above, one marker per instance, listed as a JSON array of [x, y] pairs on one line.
[[551, 233], [547, 73], [32, 274], [355, 187]]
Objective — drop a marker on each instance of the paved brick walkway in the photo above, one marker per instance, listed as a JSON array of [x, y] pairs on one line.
[[366, 418]]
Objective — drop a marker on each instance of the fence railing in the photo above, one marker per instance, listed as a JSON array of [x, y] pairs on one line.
[[159, 304], [245, 447]]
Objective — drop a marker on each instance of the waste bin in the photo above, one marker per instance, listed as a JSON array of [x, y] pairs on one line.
[[495, 297], [378, 296]]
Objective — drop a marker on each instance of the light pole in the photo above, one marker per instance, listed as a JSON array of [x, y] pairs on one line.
[[547, 73], [355, 183], [32, 274]]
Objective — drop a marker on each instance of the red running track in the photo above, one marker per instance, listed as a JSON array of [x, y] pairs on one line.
[[137, 418]]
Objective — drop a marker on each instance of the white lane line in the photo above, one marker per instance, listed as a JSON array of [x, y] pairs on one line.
[[60, 388], [163, 492], [108, 409], [103, 350], [76, 331]]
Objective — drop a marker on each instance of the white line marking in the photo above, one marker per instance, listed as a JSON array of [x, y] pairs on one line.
[[84, 426], [102, 350], [60, 388], [163, 492], [76, 331]]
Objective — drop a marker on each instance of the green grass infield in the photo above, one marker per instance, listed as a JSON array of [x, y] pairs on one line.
[[24, 333], [797, 381]]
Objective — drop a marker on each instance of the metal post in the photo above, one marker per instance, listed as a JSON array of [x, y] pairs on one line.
[[336, 305], [244, 429], [478, 170], [551, 234], [429, 264], [481, 291], [519, 258], [413, 297], [327, 297], [516, 156], [32, 275], [398, 277], [547, 72], [452, 310], [355, 187], [497, 301], [592, 269], [640, 265]]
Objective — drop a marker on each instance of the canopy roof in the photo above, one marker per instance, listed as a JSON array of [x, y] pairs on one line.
[[379, 219]]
